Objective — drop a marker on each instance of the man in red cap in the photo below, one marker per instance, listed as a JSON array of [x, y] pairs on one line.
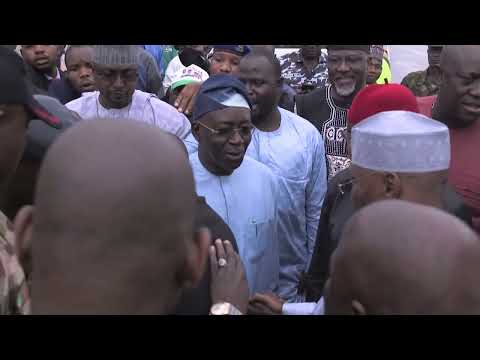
[[338, 206]]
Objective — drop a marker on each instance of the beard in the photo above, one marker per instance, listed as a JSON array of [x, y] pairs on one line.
[[344, 90]]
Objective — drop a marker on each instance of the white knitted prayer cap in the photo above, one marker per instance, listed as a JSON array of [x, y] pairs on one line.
[[401, 141]]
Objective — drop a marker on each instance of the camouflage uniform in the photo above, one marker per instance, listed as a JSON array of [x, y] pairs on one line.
[[421, 84], [14, 295], [295, 74]]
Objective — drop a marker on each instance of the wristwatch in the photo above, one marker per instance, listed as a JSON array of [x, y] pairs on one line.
[[224, 308]]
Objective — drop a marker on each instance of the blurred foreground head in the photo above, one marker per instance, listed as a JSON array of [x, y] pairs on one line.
[[113, 230], [397, 257]]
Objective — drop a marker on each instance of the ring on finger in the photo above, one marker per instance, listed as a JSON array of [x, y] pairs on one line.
[[222, 262]]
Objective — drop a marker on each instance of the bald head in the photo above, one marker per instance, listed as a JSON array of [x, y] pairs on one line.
[[113, 220], [397, 257], [458, 101]]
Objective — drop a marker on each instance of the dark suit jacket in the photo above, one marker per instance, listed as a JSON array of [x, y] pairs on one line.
[[336, 211], [63, 91], [38, 79], [197, 301]]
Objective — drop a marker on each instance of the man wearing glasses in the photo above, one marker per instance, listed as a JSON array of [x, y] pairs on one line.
[[241, 190], [116, 74]]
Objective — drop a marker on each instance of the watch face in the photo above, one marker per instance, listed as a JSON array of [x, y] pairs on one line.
[[220, 309]]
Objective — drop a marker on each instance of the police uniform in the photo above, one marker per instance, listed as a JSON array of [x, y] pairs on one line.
[[296, 75]]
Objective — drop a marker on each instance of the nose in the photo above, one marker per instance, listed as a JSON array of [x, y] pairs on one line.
[[119, 82], [236, 139], [85, 72], [226, 67], [39, 49], [475, 89], [343, 67]]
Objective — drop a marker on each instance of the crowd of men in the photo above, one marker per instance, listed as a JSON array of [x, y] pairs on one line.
[[223, 180]]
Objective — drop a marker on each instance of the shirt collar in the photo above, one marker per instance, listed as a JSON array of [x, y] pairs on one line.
[[53, 78]]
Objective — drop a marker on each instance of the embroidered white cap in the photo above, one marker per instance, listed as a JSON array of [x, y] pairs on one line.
[[401, 141]]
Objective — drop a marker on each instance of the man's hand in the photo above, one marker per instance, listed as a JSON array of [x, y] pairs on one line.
[[186, 99], [229, 283], [265, 304]]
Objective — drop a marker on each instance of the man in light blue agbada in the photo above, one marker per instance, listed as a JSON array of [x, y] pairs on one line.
[[293, 149], [241, 190]]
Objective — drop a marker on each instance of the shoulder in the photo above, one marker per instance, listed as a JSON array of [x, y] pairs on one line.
[[287, 89], [319, 94], [414, 76], [289, 58], [158, 104], [194, 160], [174, 64], [83, 100], [252, 164], [58, 83], [341, 177], [304, 127]]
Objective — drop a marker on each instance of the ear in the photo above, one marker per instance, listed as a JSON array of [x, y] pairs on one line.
[[22, 227], [196, 131], [358, 308], [197, 257], [393, 185]]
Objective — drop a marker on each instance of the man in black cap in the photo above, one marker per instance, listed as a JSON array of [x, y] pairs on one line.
[[17, 108], [327, 107], [241, 190]]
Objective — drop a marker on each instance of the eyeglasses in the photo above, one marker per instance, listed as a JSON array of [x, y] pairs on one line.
[[345, 186], [244, 131]]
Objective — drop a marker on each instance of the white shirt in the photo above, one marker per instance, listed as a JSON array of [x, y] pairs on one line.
[[144, 107], [317, 308], [54, 78], [296, 154], [174, 66], [246, 201]]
